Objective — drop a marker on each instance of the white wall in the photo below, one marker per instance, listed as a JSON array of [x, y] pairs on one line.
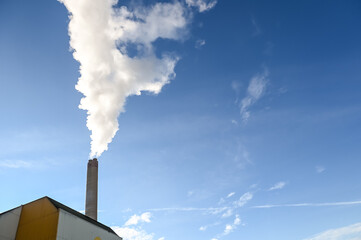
[[71, 227], [9, 224]]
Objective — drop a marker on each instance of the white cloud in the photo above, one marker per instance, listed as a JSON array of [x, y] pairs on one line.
[[15, 164], [237, 220], [135, 219], [344, 233], [203, 228], [230, 209], [135, 232], [233, 121], [255, 91], [231, 227], [202, 5], [132, 234], [228, 229], [277, 186], [230, 194], [320, 169], [326, 204], [200, 43], [221, 212], [227, 214], [222, 200], [244, 199]]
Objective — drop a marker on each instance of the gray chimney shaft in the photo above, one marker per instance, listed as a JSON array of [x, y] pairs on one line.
[[91, 201]]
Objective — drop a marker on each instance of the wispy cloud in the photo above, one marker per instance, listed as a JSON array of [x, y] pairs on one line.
[[351, 232], [230, 194], [16, 164], [202, 5], [211, 210], [245, 198], [326, 204], [277, 186], [239, 154], [228, 213], [320, 169], [230, 227], [256, 29], [231, 210], [228, 209], [126, 210], [135, 219], [255, 91], [37, 164], [202, 228], [200, 43], [205, 227], [222, 200]]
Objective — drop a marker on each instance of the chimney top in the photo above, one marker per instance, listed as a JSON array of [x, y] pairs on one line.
[[93, 162]]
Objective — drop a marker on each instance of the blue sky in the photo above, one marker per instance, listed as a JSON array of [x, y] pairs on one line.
[[257, 136]]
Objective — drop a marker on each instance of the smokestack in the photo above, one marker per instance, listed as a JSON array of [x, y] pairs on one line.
[[91, 201]]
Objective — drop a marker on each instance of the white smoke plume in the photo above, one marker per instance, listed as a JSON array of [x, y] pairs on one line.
[[100, 35]]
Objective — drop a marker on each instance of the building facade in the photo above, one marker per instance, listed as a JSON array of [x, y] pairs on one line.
[[47, 219]]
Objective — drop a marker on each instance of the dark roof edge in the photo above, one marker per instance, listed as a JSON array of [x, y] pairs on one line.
[[10, 210], [23, 205], [80, 215]]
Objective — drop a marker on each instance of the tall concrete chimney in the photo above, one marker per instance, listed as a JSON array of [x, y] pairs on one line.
[[91, 201]]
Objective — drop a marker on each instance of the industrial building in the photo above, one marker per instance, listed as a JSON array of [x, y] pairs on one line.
[[47, 219]]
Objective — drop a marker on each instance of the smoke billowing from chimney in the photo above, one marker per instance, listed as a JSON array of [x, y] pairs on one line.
[[114, 47]]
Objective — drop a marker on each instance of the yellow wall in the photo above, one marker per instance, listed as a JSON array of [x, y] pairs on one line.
[[38, 221]]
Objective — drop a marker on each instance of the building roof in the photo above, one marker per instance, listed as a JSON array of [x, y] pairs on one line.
[[80, 215], [73, 212]]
